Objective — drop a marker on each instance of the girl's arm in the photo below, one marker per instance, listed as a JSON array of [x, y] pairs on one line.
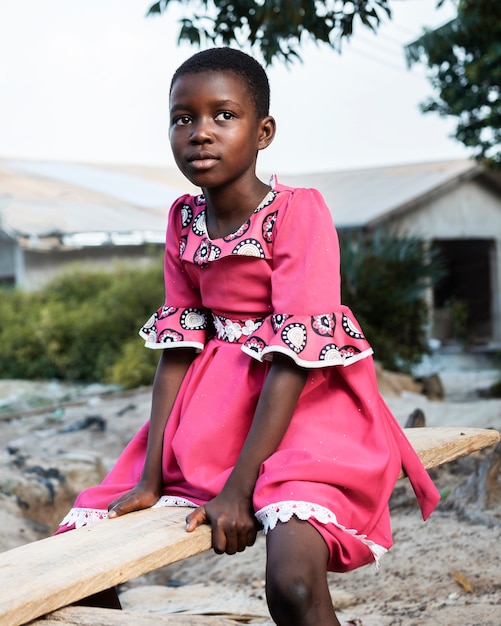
[[171, 370], [231, 513]]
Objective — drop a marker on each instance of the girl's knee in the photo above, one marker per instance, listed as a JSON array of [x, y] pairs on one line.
[[296, 581], [288, 593]]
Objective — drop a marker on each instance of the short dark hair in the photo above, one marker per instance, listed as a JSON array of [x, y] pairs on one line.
[[231, 60]]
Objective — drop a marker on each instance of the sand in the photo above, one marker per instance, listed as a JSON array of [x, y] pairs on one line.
[[446, 571]]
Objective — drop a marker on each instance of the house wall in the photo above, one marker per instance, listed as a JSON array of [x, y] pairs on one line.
[[469, 211], [41, 266]]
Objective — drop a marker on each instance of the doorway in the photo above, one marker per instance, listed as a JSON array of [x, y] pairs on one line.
[[463, 297]]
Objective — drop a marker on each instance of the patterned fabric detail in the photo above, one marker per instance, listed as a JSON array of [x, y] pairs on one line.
[[324, 325], [239, 233], [294, 335], [283, 511], [169, 335], [231, 331], [268, 199], [311, 341], [193, 319], [351, 329], [199, 226], [197, 247], [174, 326], [277, 321], [186, 215], [249, 247], [331, 352], [254, 347], [206, 252], [268, 226], [182, 244], [149, 330]]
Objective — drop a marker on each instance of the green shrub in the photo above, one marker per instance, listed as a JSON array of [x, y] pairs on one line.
[[77, 326], [83, 325], [134, 366], [384, 281]]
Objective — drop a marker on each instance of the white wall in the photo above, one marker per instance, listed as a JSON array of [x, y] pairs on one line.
[[469, 211], [41, 267]]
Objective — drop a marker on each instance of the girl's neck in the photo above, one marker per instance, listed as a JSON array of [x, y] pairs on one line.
[[231, 206]]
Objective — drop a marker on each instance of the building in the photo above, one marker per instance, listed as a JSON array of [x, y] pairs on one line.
[[454, 206], [53, 214]]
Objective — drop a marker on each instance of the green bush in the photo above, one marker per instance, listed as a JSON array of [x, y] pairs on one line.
[[22, 351], [134, 366], [384, 281], [80, 325], [83, 325]]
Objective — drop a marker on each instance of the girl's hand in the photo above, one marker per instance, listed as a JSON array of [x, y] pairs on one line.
[[140, 497], [234, 526]]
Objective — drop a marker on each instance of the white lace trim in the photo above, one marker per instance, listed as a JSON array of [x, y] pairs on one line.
[[173, 501], [85, 517], [283, 512], [232, 331]]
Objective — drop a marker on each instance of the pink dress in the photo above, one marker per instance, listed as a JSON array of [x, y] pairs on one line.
[[272, 286]]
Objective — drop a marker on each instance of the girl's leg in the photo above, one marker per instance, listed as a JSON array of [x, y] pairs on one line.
[[296, 576]]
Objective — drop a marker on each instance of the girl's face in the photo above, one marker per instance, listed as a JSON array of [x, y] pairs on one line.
[[214, 131]]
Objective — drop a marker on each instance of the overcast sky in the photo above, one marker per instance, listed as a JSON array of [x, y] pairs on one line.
[[87, 81]]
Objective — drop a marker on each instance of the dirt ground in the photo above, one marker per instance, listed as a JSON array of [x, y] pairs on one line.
[[446, 571]]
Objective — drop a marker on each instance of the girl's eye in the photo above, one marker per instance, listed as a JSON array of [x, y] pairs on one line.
[[182, 120], [225, 115]]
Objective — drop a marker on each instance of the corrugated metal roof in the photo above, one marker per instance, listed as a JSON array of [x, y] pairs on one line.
[[47, 198], [115, 184], [363, 197], [123, 205]]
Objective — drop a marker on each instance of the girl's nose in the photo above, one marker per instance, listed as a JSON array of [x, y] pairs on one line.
[[201, 132]]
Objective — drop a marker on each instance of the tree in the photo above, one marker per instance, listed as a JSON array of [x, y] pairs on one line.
[[464, 57], [277, 28]]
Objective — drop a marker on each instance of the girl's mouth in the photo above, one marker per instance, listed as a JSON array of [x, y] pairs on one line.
[[203, 163]]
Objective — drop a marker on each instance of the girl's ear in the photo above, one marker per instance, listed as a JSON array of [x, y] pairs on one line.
[[267, 129]]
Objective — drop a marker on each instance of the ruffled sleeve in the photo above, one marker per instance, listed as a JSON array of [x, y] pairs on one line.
[[182, 321], [308, 323]]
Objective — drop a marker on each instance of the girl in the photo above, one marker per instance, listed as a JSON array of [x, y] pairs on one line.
[[265, 409]]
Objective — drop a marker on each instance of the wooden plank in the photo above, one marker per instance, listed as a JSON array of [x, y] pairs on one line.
[[40, 577], [436, 446], [87, 616]]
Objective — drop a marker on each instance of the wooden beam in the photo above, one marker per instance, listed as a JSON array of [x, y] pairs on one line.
[[90, 616], [436, 446], [38, 578]]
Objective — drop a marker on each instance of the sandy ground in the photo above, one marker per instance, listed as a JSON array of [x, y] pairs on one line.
[[446, 571]]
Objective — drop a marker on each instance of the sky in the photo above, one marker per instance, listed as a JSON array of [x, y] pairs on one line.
[[88, 81]]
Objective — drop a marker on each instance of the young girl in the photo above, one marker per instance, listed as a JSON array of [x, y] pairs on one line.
[[265, 409]]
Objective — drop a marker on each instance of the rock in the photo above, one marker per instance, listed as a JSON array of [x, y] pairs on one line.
[[16, 531], [199, 599], [416, 419], [42, 491], [433, 388], [394, 383]]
